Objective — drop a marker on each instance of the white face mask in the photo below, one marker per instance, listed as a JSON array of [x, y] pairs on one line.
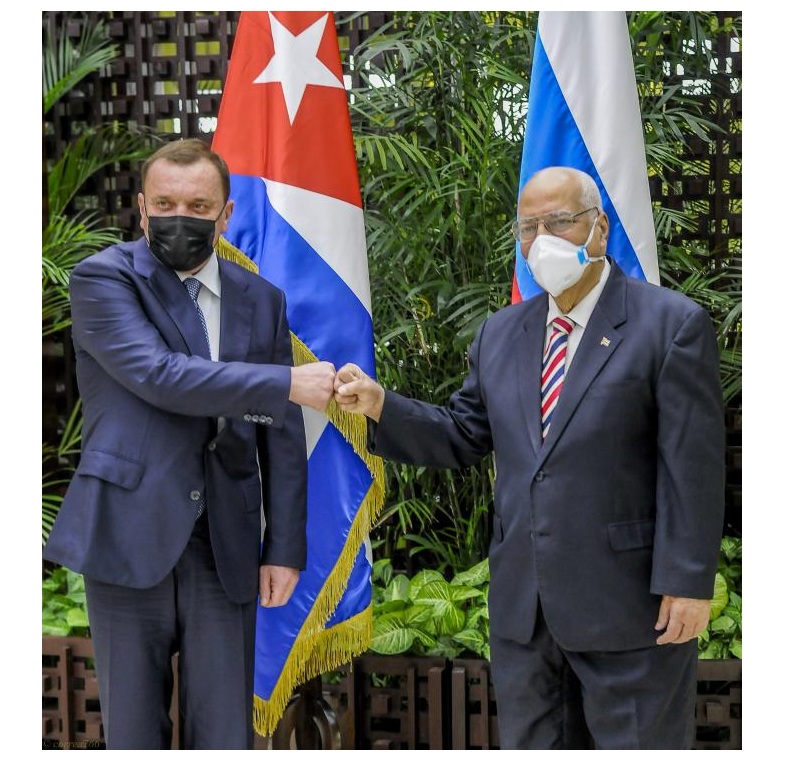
[[556, 264]]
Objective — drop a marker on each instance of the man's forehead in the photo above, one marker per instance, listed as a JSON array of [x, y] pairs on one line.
[[194, 186], [170, 193], [545, 203]]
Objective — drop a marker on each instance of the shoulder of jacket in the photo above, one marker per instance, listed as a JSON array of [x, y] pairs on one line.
[[650, 293], [119, 255]]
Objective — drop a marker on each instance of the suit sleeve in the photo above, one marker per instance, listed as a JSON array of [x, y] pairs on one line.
[[111, 325], [452, 436], [282, 454], [691, 447]]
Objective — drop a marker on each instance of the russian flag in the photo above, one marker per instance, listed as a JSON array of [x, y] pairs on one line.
[[284, 130], [583, 112]]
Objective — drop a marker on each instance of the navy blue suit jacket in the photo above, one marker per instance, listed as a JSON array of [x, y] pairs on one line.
[[624, 500], [150, 447]]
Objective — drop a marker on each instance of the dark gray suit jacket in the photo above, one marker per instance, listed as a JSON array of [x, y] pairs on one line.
[[150, 449], [624, 501]]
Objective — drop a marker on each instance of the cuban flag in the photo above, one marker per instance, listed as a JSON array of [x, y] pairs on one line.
[[284, 130], [583, 112]]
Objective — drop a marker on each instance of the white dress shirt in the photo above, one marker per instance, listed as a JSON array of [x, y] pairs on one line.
[[579, 314], [209, 300]]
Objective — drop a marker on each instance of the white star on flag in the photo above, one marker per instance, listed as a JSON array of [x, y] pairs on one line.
[[295, 63]]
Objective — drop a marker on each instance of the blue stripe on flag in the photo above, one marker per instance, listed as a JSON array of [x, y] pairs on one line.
[[337, 485], [358, 592], [337, 328]]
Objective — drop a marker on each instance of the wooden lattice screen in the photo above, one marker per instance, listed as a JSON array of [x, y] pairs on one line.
[[169, 77]]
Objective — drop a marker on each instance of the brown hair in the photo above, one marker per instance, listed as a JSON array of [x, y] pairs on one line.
[[189, 152]]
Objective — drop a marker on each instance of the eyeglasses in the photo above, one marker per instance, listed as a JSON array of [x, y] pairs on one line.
[[556, 223]]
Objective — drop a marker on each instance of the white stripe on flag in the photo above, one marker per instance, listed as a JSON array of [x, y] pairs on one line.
[[334, 228], [314, 425], [603, 100]]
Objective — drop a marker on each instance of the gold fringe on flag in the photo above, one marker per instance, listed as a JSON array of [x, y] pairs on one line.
[[229, 251], [317, 649]]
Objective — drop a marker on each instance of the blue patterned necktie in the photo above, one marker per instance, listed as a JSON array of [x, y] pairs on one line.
[[194, 286]]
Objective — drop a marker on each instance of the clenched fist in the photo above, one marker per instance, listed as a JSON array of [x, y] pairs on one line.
[[355, 391], [312, 384]]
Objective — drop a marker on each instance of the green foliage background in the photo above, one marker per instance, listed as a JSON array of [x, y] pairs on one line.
[[439, 151]]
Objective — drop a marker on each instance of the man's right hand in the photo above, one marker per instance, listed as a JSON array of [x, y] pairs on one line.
[[312, 384], [355, 391]]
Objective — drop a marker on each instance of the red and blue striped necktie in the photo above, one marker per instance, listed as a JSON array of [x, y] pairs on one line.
[[553, 365]]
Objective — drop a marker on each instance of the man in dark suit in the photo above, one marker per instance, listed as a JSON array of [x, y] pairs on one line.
[[193, 437], [608, 516]]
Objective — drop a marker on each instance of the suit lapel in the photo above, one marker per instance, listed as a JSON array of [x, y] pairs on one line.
[[529, 368], [600, 340], [237, 314], [175, 299]]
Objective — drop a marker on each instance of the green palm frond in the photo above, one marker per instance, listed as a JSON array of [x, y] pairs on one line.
[[94, 150], [66, 62], [65, 241], [57, 468]]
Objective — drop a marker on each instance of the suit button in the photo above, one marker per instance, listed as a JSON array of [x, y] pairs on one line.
[[196, 495], [247, 417], [212, 446], [539, 476], [267, 419]]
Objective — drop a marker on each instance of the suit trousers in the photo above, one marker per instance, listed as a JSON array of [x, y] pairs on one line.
[[135, 633], [550, 698]]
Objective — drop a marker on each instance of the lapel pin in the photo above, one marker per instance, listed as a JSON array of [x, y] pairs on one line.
[[605, 341]]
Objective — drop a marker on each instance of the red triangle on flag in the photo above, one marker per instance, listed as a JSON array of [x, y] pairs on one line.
[[255, 134]]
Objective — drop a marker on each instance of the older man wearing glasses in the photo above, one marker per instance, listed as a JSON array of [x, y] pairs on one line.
[[602, 404]]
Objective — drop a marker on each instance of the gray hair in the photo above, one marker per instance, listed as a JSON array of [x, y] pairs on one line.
[[589, 192]]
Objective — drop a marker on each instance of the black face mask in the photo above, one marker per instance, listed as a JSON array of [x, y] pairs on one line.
[[182, 243]]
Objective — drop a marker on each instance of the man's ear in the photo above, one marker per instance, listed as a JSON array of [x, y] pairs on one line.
[[142, 212], [226, 214], [603, 226]]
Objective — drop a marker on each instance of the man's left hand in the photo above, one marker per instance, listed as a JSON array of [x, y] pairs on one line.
[[276, 585], [683, 618]]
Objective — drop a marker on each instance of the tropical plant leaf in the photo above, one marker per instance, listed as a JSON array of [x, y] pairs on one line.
[[388, 606], [473, 577], [422, 579], [382, 571], [77, 618], [722, 624], [95, 149], [391, 636], [460, 593], [416, 616], [67, 62], [397, 590], [720, 597], [471, 639]]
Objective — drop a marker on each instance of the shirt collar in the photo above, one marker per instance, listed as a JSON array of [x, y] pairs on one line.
[[580, 313], [209, 276]]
